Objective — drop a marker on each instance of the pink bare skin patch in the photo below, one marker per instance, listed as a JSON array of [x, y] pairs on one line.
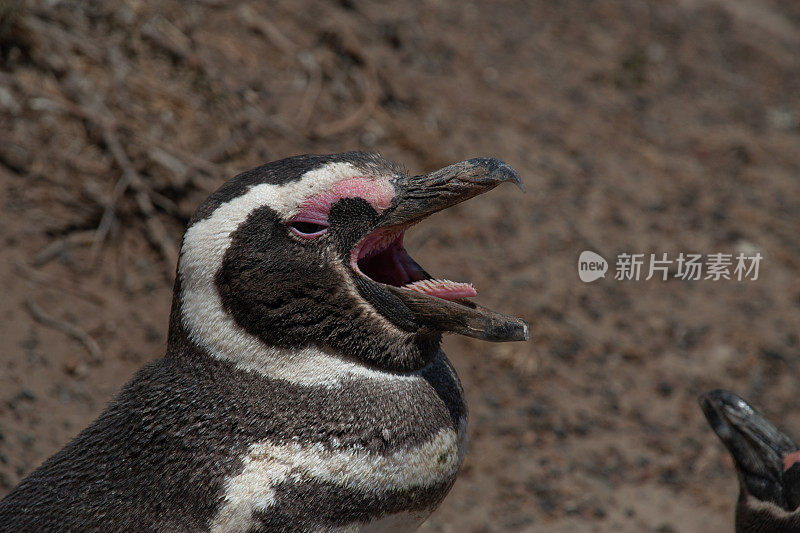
[[380, 255], [378, 193], [790, 458]]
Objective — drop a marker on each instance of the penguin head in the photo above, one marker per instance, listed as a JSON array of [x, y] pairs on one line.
[[308, 252], [767, 463]]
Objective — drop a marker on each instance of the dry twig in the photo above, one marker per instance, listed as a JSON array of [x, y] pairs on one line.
[[359, 116], [266, 28], [59, 246], [46, 280], [170, 38], [313, 90], [130, 178], [65, 327]]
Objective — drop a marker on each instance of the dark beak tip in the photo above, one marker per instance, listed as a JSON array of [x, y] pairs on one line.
[[703, 402], [715, 401], [707, 398], [720, 398], [709, 408], [499, 171], [508, 330]]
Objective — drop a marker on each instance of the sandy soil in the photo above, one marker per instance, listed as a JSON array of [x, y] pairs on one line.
[[638, 127]]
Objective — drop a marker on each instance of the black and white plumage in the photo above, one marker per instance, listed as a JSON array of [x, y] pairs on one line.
[[767, 464], [303, 388]]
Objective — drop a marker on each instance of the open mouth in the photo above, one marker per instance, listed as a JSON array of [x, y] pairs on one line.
[[426, 304], [380, 257]]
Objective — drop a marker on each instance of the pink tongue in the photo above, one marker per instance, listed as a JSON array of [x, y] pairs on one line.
[[443, 288], [790, 458]]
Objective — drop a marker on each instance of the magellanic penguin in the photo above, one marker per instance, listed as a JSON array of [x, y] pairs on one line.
[[767, 464], [303, 388]]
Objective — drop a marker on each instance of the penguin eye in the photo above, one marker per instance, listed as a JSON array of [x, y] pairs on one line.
[[307, 230]]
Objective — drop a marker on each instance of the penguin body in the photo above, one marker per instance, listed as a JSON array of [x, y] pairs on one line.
[[195, 446], [303, 387], [767, 464]]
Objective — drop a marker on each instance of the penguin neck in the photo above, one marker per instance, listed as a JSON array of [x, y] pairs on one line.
[[312, 364], [753, 515]]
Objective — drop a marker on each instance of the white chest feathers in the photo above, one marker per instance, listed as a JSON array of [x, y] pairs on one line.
[[254, 490]]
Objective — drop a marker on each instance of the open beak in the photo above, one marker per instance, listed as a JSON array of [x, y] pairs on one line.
[[438, 304], [760, 450]]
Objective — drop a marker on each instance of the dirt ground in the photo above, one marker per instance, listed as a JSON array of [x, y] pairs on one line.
[[638, 127]]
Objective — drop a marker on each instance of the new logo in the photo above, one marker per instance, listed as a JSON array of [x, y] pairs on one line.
[[591, 266]]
